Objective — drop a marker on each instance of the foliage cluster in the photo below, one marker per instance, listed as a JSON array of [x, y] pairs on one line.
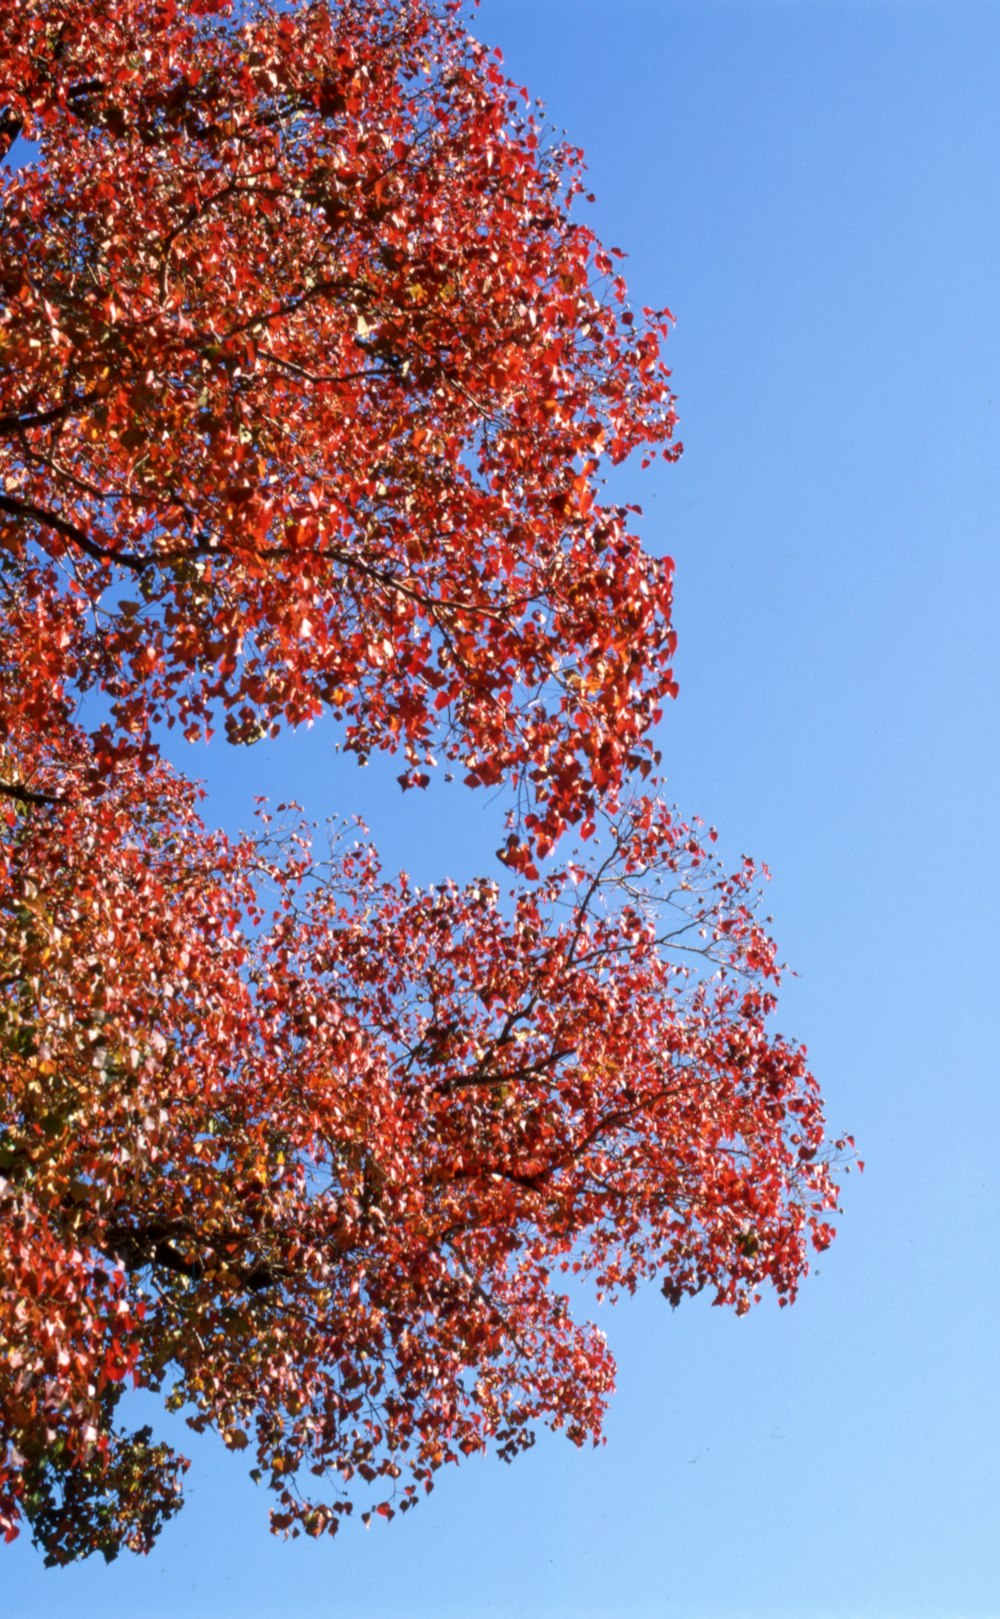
[[308, 374]]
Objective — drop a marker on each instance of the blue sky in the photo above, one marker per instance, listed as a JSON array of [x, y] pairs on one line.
[[812, 187]]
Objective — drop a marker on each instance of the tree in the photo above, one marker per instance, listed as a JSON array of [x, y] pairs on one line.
[[309, 372]]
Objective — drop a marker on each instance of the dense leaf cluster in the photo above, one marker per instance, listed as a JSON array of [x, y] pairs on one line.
[[308, 372]]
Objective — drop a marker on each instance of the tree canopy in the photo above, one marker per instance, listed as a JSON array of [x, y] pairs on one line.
[[309, 372]]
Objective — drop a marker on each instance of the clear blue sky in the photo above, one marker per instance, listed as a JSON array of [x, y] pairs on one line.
[[812, 187]]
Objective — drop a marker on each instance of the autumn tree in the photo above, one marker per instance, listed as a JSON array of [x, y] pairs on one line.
[[309, 373]]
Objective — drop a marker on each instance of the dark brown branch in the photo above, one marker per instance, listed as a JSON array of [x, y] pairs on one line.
[[314, 377], [10, 128], [153, 1244], [513, 1076], [44, 418], [76, 536], [85, 87], [25, 795], [291, 306]]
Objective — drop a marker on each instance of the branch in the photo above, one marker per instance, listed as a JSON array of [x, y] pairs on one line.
[[151, 1244], [44, 418], [10, 128], [77, 536], [25, 795], [310, 376], [291, 306], [513, 1076]]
